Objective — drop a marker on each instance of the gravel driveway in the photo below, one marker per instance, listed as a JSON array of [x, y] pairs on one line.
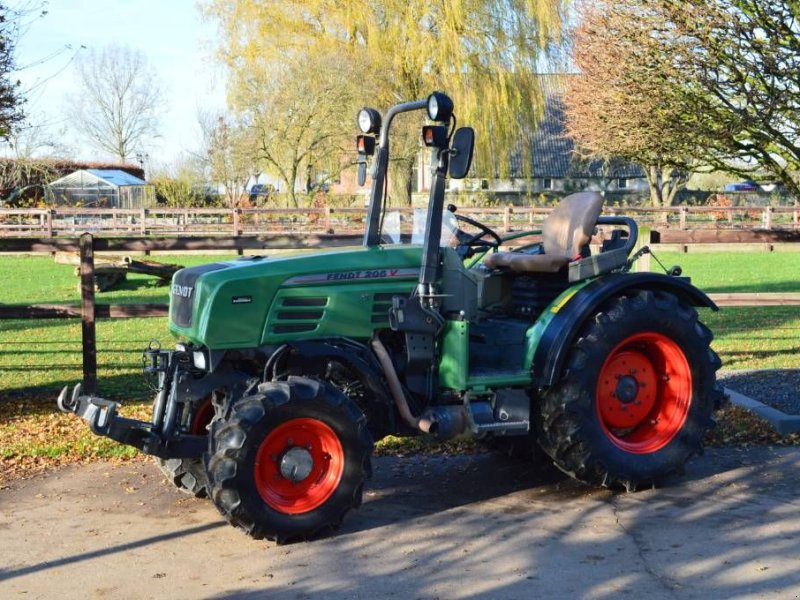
[[779, 388], [474, 526]]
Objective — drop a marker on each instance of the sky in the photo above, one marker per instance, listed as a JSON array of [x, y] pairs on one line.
[[170, 33]]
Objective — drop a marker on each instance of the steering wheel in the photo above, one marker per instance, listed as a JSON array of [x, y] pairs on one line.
[[475, 241]]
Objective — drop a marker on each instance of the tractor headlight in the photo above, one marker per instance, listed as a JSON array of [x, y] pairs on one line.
[[199, 360], [440, 107], [369, 120]]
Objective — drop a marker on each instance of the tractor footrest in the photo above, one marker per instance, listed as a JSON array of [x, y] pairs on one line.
[[103, 419]]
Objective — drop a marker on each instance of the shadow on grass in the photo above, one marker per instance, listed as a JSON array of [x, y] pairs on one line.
[[73, 348], [41, 399]]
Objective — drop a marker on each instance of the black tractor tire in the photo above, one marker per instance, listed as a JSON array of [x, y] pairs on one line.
[[186, 474], [637, 396], [285, 427], [189, 474]]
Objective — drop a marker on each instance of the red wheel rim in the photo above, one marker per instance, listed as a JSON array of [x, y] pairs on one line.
[[202, 418], [644, 392], [312, 451]]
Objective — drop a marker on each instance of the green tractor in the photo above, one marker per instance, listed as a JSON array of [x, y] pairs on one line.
[[289, 368]]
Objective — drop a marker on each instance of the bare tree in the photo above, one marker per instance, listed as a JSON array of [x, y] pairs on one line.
[[34, 138], [118, 103], [11, 100], [227, 156]]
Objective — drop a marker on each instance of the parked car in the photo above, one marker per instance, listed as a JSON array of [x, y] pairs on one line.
[[743, 186], [261, 192]]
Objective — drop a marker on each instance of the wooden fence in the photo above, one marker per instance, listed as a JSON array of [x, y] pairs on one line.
[[71, 222]]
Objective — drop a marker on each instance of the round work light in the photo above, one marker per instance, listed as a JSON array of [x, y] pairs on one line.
[[440, 107], [369, 120]]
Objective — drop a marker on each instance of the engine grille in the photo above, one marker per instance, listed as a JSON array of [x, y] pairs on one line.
[[381, 303], [299, 315]]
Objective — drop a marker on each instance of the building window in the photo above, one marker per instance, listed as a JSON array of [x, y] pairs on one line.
[[547, 183], [622, 183]]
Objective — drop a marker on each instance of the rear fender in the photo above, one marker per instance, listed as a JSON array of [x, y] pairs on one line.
[[550, 339]]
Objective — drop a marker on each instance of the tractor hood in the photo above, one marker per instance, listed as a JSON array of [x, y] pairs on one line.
[[256, 301]]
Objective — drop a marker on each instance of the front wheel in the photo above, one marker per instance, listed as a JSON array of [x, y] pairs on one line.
[[189, 474], [637, 396], [290, 460]]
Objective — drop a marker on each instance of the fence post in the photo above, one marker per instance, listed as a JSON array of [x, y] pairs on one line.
[[768, 217], [143, 222], [682, 216], [236, 213], [50, 214], [328, 225], [507, 218], [88, 338]]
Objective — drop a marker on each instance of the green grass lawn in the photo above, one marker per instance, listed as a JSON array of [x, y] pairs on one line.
[[39, 357], [46, 354], [39, 280], [715, 272], [756, 338], [765, 337]]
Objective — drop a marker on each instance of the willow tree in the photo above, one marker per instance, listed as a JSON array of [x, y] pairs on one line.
[[485, 53]]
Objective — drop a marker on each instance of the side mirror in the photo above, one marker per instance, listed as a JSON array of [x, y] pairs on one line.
[[461, 152]]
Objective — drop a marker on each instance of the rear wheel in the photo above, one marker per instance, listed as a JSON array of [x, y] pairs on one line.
[[637, 396], [189, 474], [290, 460]]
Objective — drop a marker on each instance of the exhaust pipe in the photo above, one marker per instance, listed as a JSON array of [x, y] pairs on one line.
[[396, 388], [444, 422]]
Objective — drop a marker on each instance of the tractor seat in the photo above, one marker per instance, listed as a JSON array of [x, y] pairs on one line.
[[566, 230]]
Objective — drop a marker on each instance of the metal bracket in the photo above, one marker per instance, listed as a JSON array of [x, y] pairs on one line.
[[101, 414]]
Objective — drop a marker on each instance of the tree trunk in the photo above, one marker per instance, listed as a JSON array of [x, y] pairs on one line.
[[653, 177], [402, 180], [291, 185]]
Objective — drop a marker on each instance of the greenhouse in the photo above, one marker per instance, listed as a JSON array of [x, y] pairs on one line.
[[101, 188]]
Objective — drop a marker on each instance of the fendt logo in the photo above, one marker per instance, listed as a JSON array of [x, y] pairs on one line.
[[184, 291]]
